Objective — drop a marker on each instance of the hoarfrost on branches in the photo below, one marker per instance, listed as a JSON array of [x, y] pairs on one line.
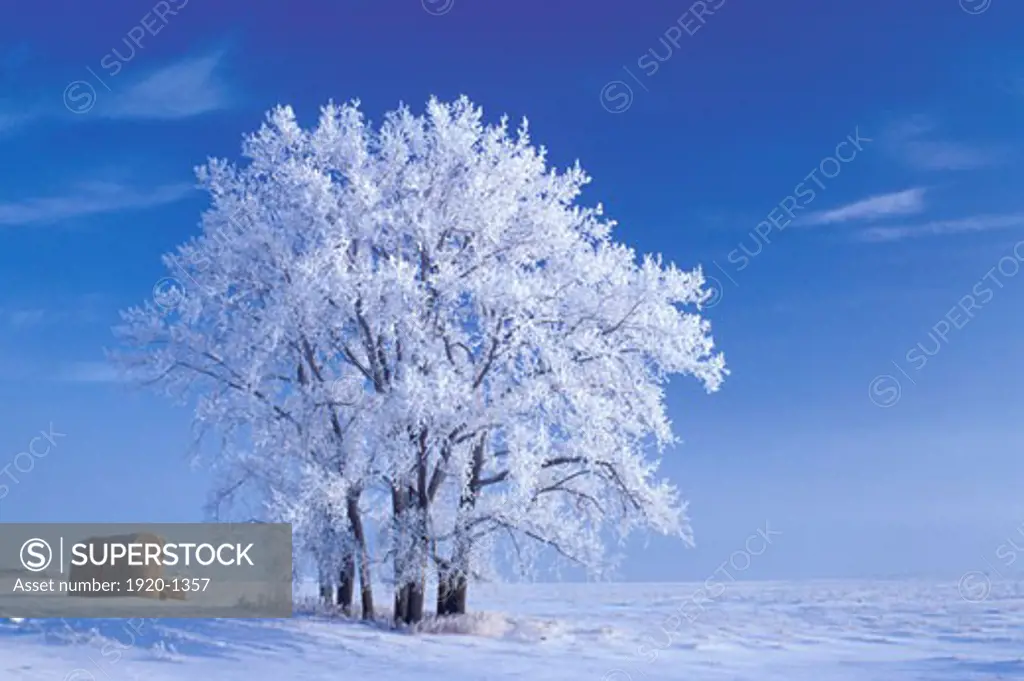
[[420, 319]]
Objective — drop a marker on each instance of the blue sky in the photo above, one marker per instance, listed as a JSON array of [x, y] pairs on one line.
[[697, 122]]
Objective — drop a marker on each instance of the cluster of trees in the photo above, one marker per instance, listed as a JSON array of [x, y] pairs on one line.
[[420, 350]]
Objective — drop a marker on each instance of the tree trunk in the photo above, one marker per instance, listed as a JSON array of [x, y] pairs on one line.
[[415, 591], [365, 592], [417, 596], [398, 506], [452, 589], [325, 594], [324, 578], [418, 589], [410, 496], [443, 591], [403, 604], [409, 601], [362, 554], [346, 583], [453, 583]]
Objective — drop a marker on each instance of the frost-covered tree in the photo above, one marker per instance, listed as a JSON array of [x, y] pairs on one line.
[[420, 317]]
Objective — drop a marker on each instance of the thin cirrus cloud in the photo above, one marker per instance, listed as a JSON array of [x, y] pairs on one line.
[[89, 372], [186, 88], [31, 315], [183, 89], [878, 207], [21, 318], [10, 120], [89, 199], [913, 141], [931, 155], [977, 223]]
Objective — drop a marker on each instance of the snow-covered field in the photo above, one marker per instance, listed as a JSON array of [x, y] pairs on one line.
[[763, 631]]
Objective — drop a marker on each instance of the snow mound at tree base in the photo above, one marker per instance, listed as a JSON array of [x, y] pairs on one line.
[[493, 625], [483, 624]]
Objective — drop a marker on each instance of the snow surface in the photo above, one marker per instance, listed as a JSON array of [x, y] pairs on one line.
[[768, 631]]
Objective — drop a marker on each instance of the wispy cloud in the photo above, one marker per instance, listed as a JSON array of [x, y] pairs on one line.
[[914, 142], [978, 223], [186, 88], [906, 202], [24, 317], [189, 87], [10, 120], [30, 315], [88, 199], [89, 372], [931, 155], [16, 115]]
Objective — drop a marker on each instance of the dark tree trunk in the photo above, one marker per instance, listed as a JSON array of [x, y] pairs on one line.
[[410, 596], [405, 604], [414, 593], [355, 520], [325, 578], [452, 589], [365, 588], [346, 584], [401, 599], [412, 556], [326, 597], [443, 590], [453, 582], [402, 591], [416, 598], [420, 495]]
